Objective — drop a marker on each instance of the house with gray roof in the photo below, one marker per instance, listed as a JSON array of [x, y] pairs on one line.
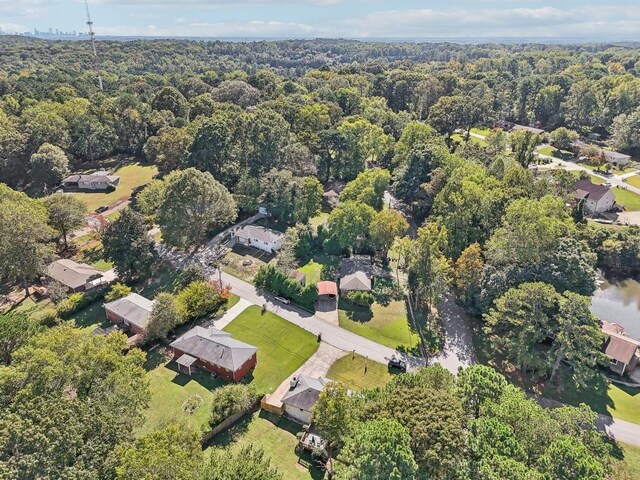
[[77, 277], [357, 274], [259, 237], [215, 351], [100, 180], [132, 311], [302, 396]]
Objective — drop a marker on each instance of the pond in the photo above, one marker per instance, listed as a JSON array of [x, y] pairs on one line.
[[618, 302]]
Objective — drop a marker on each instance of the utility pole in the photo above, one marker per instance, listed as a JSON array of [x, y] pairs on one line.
[[92, 36]]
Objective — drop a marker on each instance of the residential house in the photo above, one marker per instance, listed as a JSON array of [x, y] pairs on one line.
[[259, 237], [614, 158], [356, 274], [216, 352], [331, 198], [621, 349], [302, 396], [597, 198], [100, 180], [132, 311], [536, 131], [77, 277]]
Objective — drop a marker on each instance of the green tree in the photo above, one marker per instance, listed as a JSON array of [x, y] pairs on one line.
[[68, 399], [169, 98], [468, 275], [413, 135], [151, 197], [169, 149], [377, 449], [15, 331], [496, 141], [563, 138], [48, 167], [368, 188], [334, 414], [385, 227], [248, 462], [362, 142], [523, 145], [568, 459], [479, 385], [307, 199], [349, 223], [199, 299], [193, 204], [625, 131], [117, 290], [24, 237], [166, 315], [127, 244], [66, 214], [168, 453]]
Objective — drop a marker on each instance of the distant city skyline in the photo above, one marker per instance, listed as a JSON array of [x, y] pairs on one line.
[[615, 19]]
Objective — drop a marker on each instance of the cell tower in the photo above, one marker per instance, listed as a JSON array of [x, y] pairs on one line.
[[92, 35]]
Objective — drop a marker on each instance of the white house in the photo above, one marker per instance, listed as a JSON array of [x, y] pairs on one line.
[[597, 198], [100, 180], [259, 237], [616, 158], [302, 396]]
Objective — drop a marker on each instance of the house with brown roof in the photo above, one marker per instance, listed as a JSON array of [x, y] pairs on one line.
[[621, 349], [216, 352], [597, 198], [77, 277], [302, 396], [526, 128]]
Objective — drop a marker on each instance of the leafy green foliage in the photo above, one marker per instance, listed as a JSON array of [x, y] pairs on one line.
[[273, 280], [199, 299], [229, 400], [117, 290]]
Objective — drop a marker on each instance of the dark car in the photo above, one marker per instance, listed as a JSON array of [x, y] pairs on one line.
[[398, 364], [102, 208]]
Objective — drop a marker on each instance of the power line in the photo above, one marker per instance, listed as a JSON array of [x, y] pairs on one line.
[[92, 35]]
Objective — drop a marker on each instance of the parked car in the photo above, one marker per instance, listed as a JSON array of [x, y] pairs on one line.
[[102, 208], [286, 301], [398, 364]]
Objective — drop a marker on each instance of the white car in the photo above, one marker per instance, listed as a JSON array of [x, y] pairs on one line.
[[286, 301]]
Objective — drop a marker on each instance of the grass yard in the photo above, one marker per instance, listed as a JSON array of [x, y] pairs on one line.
[[481, 131], [632, 458], [312, 270], [318, 220], [597, 180], [387, 325], [130, 176], [169, 391], [244, 262], [550, 151], [89, 250], [634, 181], [282, 346], [629, 200], [350, 372], [277, 437], [457, 137]]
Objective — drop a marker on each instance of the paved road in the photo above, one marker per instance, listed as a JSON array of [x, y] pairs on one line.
[[458, 351], [331, 334]]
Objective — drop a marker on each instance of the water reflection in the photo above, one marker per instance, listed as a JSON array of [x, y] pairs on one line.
[[619, 302]]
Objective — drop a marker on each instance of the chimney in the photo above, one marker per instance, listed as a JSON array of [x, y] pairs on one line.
[[293, 383]]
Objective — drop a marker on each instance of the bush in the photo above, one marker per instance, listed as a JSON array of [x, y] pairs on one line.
[[56, 291], [78, 301], [269, 278], [118, 290], [199, 299], [364, 299], [229, 400], [193, 273], [47, 317]]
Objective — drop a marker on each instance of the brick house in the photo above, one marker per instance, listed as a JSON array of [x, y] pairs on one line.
[[132, 312], [216, 352]]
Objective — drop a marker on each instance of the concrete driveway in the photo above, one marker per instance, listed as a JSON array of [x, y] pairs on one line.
[[327, 310]]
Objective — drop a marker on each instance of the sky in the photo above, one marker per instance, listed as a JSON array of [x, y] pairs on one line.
[[612, 19]]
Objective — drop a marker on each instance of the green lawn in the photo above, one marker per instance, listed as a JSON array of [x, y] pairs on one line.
[[170, 389], [550, 151], [130, 176], [632, 458], [597, 180], [277, 437], [318, 219], [282, 346], [629, 200], [350, 372], [634, 181], [312, 270], [457, 137], [387, 325], [481, 131]]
